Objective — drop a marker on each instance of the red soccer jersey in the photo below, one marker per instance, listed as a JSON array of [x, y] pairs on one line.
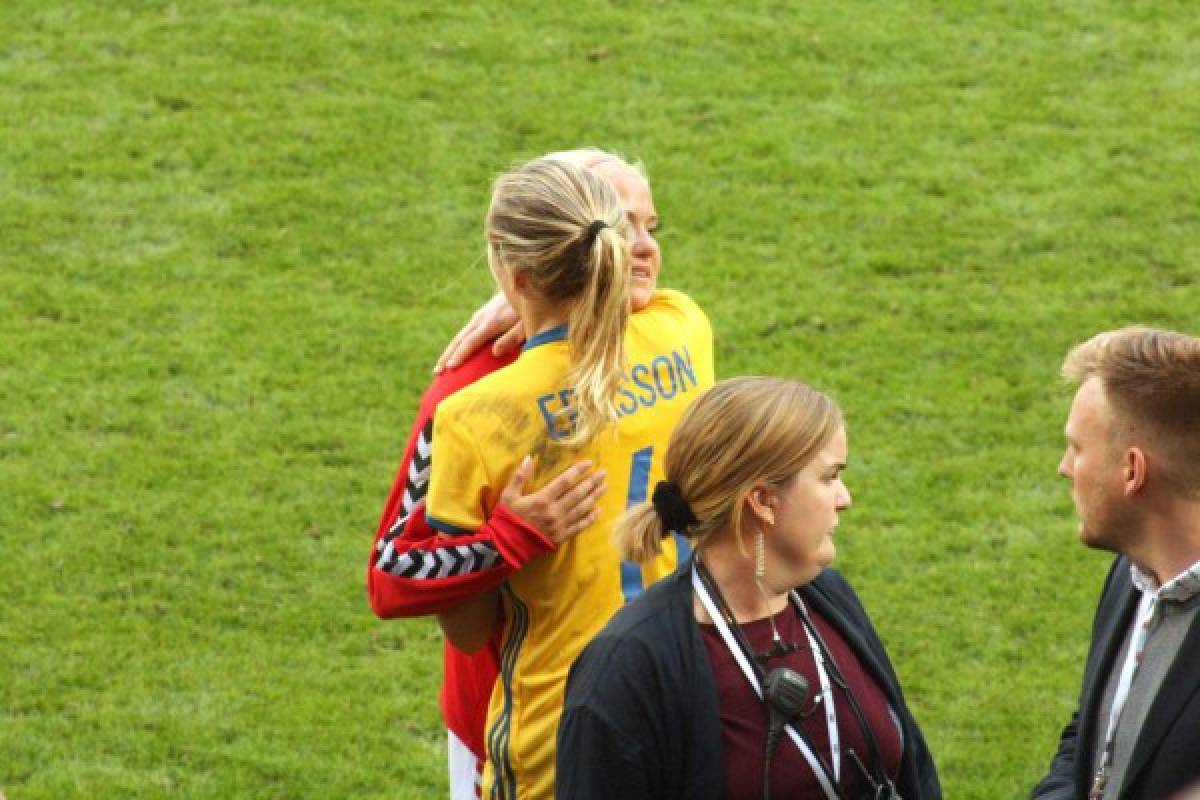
[[414, 570]]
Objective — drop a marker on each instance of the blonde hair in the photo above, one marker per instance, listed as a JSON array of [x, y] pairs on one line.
[[1153, 378], [563, 226], [740, 434], [595, 158]]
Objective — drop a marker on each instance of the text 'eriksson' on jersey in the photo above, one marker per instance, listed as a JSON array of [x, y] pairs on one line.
[[662, 377]]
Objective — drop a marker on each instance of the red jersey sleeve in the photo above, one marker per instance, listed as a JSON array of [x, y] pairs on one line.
[[415, 570]]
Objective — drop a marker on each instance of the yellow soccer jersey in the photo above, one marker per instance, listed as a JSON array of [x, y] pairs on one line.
[[554, 605]]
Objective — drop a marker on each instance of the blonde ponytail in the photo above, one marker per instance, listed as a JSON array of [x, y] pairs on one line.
[[640, 534], [596, 335]]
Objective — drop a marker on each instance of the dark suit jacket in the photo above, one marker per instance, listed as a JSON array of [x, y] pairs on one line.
[[1167, 755]]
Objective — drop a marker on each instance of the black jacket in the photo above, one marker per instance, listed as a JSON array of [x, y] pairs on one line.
[[641, 717], [1167, 755]]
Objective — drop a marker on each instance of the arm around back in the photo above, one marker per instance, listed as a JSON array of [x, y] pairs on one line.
[[472, 625]]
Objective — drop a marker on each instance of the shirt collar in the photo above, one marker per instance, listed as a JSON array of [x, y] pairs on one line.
[[1180, 589], [555, 334]]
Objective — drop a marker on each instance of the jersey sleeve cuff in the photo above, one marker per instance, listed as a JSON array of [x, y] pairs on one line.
[[517, 541]]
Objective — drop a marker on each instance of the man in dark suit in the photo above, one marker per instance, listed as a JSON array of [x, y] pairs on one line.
[[1133, 461]]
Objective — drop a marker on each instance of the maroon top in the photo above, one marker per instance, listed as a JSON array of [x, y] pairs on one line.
[[744, 717]]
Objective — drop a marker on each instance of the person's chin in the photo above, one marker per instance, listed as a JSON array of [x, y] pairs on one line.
[[1090, 538], [640, 296], [807, 575], [822, 558]]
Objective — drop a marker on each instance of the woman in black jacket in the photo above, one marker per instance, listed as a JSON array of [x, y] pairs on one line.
[[754, 671]]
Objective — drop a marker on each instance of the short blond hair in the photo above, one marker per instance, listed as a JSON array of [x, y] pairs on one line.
[[741, 433], [595, 158], [1151, 378]]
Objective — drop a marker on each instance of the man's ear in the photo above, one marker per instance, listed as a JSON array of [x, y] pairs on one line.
[[1135, 471]]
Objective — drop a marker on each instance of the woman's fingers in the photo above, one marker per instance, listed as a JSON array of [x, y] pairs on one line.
[[562, 508]]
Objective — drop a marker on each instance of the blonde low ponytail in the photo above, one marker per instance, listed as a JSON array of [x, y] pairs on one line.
[[640, 533], [596, 333]]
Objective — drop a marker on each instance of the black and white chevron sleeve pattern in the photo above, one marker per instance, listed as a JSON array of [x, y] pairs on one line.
[[446, 562], [440, 562], [415, 486]]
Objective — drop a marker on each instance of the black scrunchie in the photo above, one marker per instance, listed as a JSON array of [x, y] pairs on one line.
[[594, 229], [672, 508]]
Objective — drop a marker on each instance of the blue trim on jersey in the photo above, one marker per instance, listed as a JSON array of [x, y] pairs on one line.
[[639, 483], [555, 334], [446, 527]]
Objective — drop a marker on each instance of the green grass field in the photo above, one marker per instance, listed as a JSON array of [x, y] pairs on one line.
[[233, 236]]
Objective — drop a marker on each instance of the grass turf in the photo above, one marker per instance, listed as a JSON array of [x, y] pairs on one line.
[[234, 235]]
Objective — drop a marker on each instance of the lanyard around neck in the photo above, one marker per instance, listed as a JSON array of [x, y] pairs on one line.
[[743, 660], [1137, 644]]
